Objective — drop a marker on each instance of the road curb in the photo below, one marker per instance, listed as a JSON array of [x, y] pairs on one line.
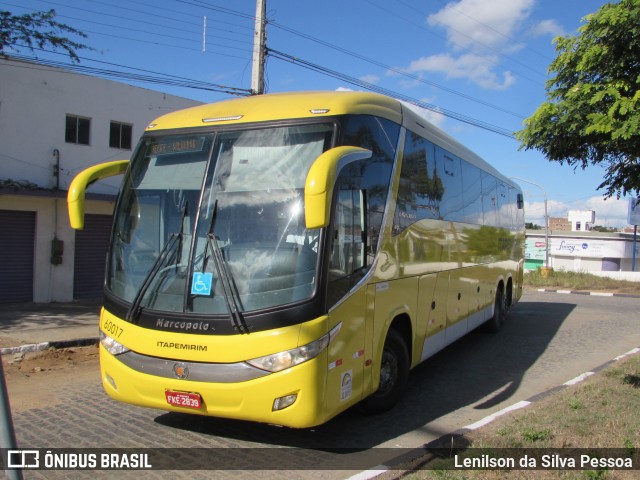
[[582, 292], [448, 439], [38, 347]]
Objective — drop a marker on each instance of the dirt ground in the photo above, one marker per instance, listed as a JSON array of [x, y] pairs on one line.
[[33, 379]]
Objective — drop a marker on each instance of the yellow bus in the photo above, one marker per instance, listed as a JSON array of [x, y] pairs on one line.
[[280, 258]]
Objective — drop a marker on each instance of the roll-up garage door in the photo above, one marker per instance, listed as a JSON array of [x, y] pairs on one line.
[[17, 242], [90, 256]]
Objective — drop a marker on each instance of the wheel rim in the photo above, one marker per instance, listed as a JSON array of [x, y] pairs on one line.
[[388, 372]]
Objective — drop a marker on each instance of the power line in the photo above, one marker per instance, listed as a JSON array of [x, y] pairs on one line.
[[189, 83], [395, 70], [173, 12], [374, 88], [170, 45], [229, 11], [143, 22], [486, 25], [147, 76], [390, 12]]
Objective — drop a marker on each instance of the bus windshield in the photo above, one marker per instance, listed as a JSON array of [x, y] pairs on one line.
[[213, 223]]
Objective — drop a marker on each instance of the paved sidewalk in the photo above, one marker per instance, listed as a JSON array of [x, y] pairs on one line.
[[36, 326]]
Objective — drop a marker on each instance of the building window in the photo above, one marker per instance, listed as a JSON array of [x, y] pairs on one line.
[[77, 130], [120, 135]]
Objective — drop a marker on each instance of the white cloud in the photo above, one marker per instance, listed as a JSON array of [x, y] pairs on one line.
[[476, 68], [477, 32], [433, 117], [547, 27], [477, 24], [609, 213], [370, 78]]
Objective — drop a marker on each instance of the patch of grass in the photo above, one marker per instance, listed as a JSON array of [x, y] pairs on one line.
[[579, 281], [599, 413], [575, 404], [532, 435]]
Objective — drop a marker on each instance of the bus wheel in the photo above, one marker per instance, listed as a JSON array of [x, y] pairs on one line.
[[394, 373], [499, 314]]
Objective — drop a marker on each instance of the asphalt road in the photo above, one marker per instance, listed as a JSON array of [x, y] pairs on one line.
[[548, 339]]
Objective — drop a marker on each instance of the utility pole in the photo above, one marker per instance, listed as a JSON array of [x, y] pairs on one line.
[[259, 48], [546, 220]]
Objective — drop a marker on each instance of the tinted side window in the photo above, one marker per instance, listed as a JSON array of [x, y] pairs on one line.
[[489, 199], [504, 206], [359, 201], [449, 173], [381, 137], [420, 188], [472, 193]]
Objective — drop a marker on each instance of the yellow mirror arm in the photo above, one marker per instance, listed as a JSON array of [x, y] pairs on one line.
[[318, 188], [78, 187]]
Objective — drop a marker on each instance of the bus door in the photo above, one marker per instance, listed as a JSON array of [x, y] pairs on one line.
[[352, 303]]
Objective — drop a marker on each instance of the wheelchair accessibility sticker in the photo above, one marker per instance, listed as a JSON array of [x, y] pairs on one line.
[[201, 284]]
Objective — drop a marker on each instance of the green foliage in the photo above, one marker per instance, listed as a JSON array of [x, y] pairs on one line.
[[600, 228], [592, 112], [599, 474], [533, 435], [576, 404], [37, 31]]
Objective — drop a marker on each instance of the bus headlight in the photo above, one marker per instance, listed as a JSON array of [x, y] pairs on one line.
[[289, 358], [113, 347]]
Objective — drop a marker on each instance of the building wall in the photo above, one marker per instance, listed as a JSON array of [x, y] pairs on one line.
[[581, 220], [52, 283], [587, 251], [34, 102], [559, 224]]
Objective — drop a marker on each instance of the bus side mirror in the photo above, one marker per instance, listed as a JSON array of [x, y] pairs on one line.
[[78, 188], [318, 188], [520, 201]]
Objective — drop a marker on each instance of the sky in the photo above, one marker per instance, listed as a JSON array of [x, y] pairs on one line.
[[483, 61]]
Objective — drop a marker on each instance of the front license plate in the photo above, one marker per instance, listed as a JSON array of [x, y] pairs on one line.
[[183, 399]]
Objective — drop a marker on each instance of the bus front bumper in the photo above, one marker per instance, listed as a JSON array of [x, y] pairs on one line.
[[251, 400]]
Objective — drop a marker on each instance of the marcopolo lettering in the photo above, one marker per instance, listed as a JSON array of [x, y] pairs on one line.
[[183, 325]]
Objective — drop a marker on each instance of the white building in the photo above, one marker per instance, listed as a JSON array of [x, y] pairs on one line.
[[53, 124], [581, 220], [590, 252]]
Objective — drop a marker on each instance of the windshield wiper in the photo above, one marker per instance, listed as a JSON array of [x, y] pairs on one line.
[[229, 290], [176, 238]]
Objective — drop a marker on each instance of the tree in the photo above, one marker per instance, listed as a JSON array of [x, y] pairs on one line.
[[37, 30], [592, 112], [600, 228]]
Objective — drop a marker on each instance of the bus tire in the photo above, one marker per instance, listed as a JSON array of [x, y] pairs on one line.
[[394, 374], [494, 324]]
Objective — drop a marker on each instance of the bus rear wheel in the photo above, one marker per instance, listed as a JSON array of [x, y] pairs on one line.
[[494, 324], [394, 374]]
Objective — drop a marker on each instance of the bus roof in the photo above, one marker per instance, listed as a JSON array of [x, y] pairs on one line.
[[315, 104], [280, 106]]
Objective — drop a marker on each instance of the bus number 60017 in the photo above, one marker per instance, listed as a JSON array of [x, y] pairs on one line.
[[112, 329]]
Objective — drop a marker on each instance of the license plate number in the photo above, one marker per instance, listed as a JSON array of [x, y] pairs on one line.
[[183, 399]]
